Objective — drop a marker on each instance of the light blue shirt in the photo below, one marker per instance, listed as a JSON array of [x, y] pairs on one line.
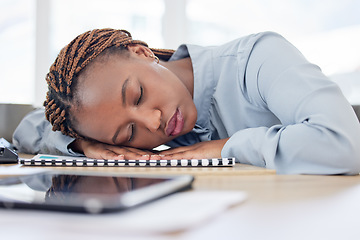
[[279, 110]]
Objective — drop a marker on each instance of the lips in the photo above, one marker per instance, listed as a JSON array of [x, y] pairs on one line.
[[175, 124]]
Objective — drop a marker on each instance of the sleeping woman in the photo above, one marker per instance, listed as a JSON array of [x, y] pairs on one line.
[[255, 98]]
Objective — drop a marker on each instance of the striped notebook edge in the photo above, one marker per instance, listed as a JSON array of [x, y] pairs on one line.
[[212, 162]]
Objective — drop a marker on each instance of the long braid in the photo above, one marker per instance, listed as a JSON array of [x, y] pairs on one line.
[[71, 60], [163, 54], [61, 186]]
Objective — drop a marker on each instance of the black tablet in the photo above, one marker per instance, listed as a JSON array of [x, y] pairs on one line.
[[89, 192]]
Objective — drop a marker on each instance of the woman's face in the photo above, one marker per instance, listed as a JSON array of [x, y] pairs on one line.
[[133, 101]]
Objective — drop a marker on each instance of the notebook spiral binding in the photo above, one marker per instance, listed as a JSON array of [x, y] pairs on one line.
[[213, 162]]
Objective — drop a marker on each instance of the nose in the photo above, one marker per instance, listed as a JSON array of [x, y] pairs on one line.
[[151, 119]]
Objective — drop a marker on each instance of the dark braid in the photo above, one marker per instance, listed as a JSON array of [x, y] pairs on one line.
[[61, 186], [71, 61], [163, 54]]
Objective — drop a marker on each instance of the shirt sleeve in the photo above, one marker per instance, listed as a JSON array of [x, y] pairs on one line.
[[319, 132], [34, 135]]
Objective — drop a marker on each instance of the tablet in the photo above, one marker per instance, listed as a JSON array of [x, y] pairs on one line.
[[87, 192]]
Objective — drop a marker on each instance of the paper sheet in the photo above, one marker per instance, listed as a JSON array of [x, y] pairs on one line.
[[177, 212]]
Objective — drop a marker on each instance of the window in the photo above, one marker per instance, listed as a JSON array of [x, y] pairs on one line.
[[70, 18], [315, 27], [326, 32], [17, 38], [33, 31], [23, 70]]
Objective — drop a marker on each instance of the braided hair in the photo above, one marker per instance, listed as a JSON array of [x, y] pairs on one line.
[[71, 62], [61, 186]]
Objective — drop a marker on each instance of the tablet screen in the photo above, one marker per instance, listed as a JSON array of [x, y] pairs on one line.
[[86, 192]]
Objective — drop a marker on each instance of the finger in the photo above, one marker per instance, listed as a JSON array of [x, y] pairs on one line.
[[136, 156], [119, 153], [143, 157], [138, 151], [156, 157], [179, 155], [176, 150], [109, 154], [129, 153]]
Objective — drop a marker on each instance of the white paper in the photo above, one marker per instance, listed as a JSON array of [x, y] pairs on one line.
[[177, 212]]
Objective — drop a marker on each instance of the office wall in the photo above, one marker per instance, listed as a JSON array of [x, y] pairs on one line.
[[10, 117]]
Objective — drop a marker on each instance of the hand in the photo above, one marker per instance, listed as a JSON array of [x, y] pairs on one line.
[[98, 150], [210, 149]]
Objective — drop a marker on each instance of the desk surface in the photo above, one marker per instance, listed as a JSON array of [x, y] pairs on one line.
[[278, 206]]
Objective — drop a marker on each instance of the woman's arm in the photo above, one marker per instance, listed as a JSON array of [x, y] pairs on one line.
[[319, 131], [34, 135]]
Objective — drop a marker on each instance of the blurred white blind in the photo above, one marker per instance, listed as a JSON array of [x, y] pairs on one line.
[[326, 31], [17, 51]]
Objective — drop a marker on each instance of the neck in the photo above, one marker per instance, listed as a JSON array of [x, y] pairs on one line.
[[183, 70]]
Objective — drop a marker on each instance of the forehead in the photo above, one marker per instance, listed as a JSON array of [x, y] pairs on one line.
[[100, 82], [99, 96]]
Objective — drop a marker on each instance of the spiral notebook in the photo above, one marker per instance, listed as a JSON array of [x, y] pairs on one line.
[[66, 161]]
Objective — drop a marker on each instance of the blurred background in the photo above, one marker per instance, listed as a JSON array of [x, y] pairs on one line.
[[32, 32]]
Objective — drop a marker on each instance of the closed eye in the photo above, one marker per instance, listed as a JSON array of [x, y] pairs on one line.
[[132, 134], [140, 97]]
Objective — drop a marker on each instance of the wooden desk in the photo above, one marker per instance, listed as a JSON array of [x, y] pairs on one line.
[[238, 169], [278, 206]]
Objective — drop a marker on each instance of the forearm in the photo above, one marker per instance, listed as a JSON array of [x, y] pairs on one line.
[[296, 149], [317, 132]]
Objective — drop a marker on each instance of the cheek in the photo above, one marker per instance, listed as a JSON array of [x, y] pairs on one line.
[[163, 79], [93, 127], [146, 140]]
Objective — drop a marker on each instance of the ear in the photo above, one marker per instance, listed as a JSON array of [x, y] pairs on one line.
[[140, 50]]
